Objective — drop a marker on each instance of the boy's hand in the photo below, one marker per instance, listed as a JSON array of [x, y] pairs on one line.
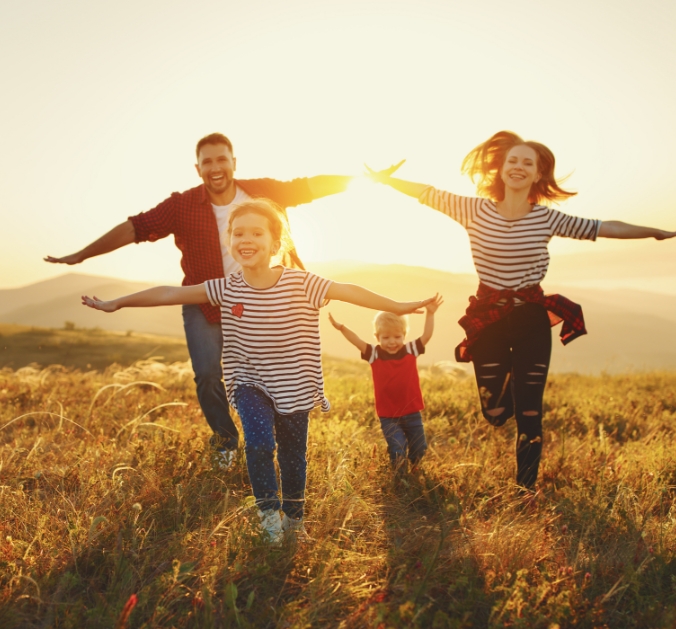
[[415, 307], [98, 304], [335, 324], [433, 306]]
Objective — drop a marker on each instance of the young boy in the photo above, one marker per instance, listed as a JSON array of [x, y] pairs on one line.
[[395, 381]]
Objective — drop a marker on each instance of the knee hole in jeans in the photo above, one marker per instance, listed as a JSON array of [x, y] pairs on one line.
[[530, 413]]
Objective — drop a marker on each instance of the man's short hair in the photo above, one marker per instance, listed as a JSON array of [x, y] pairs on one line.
[[212, 138]]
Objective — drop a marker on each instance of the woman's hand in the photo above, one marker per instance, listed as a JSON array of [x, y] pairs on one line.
[[98, 304], [663, 235], [381, 176]]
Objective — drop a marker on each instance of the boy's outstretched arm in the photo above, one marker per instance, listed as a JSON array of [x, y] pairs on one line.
[[360, 296], [348, 334], [430, 309], [157, 296]]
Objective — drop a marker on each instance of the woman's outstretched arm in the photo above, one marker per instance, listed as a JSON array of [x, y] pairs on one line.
[[156, 296], [618, 229], [410, 188]]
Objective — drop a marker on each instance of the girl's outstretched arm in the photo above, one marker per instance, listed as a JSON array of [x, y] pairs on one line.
[[348, 334], [618, 229], [157, 296], [360, 296], [410, 188]]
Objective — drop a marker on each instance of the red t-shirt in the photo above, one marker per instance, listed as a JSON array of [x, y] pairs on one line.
[[395, 379]]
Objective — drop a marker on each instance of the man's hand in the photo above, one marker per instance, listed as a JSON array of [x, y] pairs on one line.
[[380, 176], [73, 258]]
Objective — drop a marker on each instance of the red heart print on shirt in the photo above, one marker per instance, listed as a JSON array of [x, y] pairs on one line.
[[238, 310]]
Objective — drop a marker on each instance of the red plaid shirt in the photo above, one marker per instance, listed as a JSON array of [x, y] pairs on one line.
[[189, 216], [491, 305]]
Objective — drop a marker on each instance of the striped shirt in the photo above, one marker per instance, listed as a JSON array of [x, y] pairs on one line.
[[509, 253], [271, 337]]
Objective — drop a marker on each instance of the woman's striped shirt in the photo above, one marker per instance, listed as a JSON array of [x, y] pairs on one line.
[[271, 337], [509, 254]]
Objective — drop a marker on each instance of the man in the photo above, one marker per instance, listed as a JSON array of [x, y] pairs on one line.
[[198, 219]]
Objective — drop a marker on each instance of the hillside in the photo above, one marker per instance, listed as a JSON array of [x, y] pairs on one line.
[[628, 329]]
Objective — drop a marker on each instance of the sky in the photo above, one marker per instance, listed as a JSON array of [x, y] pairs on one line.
[[103, 104]]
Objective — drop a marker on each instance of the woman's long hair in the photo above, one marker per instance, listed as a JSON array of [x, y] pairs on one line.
[[279, 227], [484, 164]]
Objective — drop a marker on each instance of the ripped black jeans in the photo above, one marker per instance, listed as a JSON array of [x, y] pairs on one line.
[[511, 360]]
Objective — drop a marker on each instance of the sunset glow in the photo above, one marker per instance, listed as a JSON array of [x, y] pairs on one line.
[[102, 113]]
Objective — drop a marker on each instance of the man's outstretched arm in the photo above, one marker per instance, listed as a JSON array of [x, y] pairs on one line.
[[324, 185], [123, 234]]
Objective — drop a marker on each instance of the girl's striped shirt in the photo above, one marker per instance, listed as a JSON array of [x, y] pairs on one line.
[[271, 337], [509, 254]]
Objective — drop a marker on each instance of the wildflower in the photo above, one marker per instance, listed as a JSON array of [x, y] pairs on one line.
[[587, 576]]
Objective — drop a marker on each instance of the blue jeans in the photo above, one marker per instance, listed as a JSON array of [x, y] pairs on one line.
[[405, 436], [265, 429], [205, 344]]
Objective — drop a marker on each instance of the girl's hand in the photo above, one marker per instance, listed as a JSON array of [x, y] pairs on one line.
[[664, 235], [415, 307], [98, 304], [433, 306], [380, 176], [335, 324]]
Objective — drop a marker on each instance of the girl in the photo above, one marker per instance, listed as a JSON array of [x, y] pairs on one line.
[[508, 322], [272, 358]]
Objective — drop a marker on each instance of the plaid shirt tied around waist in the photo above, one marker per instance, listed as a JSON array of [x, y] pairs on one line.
[[492, 304]]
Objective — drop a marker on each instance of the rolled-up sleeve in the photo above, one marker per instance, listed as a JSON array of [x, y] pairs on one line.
[[156, 223]]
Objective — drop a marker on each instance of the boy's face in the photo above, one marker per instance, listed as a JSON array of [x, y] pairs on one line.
[[391, 339]]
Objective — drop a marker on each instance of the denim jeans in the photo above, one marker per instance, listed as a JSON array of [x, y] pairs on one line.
[[405, 436], [265, 429], [205, 344], [511, 361]]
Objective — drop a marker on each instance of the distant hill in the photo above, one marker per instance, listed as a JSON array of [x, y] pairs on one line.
[[628, 329]]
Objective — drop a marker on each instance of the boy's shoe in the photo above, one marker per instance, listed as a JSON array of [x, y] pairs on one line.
[[271, 527], [225, 459], [294, 530]]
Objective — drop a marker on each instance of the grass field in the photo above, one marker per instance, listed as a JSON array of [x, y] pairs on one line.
[[81, 348], [108, 497]]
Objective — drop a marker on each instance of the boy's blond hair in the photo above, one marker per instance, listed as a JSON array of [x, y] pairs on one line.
[[389, 320]]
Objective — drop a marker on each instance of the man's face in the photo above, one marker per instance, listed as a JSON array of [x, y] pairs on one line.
[[216, 167]]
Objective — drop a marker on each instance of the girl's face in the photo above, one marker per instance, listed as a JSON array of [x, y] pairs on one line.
[[251, 242], [520, 170]]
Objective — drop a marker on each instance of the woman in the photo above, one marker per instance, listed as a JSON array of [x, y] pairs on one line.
[[508, 321]]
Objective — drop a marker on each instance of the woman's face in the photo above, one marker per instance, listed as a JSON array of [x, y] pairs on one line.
[[520, 170]]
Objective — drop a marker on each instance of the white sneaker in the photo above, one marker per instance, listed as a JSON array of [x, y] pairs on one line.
[[225, 459], [294, 529], [271, 526]]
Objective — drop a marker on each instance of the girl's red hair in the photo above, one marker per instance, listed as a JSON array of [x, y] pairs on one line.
[[484, 163]]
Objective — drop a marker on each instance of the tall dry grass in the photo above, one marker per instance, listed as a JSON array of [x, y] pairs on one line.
[[112, 515]]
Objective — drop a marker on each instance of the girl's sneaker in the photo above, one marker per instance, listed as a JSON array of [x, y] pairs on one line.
[[271, 527], [294, 530]]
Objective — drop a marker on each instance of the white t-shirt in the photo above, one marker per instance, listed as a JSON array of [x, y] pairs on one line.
[[222, 214]]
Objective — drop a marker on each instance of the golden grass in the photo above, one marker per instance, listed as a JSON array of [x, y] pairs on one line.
[[107, 490]]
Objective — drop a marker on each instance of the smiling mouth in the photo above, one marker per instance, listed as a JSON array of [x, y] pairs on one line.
[[246, 253]]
